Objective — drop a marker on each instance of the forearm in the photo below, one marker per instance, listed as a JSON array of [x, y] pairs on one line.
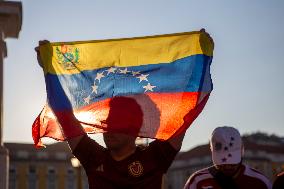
[[176, 141], [71, 128], [69, 124]]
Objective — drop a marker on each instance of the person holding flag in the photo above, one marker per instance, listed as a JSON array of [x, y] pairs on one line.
[[106, 99]]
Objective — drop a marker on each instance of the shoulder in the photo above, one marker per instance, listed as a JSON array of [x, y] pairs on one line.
[[161, 148], [158, 148], [257, 176], [198, 177], [160, 144]]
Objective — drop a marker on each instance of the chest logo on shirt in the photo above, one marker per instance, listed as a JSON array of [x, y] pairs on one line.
[[135, 169]]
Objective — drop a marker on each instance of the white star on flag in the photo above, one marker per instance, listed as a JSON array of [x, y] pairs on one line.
[[135, 73], [95, 88], [148, 87], [123, 71], [99, 76], [111, 70], [143, 77], [87, 100]]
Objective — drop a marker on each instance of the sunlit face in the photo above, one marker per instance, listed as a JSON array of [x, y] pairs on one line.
[[116, 141], [228, 169]]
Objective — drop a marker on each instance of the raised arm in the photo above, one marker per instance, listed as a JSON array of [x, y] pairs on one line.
[[177, 138]]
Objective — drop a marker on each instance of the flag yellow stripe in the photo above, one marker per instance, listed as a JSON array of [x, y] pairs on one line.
[[123, 52]]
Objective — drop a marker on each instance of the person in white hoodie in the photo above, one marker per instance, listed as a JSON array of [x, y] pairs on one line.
[[228, 170]]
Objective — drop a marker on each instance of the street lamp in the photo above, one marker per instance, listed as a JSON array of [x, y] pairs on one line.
[[76, 164]]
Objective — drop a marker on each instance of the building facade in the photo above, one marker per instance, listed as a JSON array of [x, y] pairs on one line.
[[47, 168], [262, 152]]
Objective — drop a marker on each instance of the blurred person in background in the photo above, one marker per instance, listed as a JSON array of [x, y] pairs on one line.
[[228, 171]]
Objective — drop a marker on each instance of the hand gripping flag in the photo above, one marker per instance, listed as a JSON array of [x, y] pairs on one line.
[[146, 86]]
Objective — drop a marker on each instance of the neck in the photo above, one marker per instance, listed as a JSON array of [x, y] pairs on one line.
[[122, 153]]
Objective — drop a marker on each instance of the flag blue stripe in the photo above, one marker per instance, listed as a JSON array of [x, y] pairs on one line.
[[189, 74]]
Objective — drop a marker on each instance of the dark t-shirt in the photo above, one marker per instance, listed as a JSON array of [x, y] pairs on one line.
[[143, 169]]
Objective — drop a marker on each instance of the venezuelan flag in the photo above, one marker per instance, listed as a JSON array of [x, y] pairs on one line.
[[151, 86]]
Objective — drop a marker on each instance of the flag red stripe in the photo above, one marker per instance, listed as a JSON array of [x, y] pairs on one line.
[[163, 116]]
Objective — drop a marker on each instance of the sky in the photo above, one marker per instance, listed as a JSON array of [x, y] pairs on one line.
[[247, 68]]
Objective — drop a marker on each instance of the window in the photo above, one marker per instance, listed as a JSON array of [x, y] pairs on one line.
[[23, 154], [32, 178], [12, 178], [70, 179], [61, 156], [42, 155], [51, 178]]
